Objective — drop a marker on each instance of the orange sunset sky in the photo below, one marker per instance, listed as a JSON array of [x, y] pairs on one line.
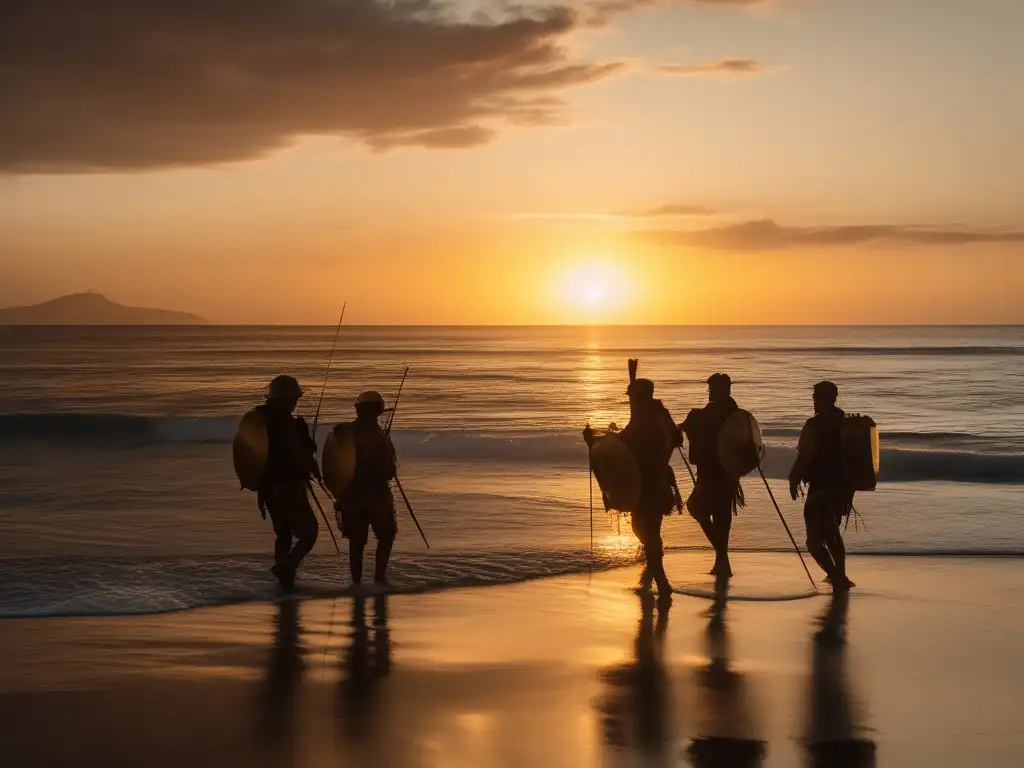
[[615, 161]]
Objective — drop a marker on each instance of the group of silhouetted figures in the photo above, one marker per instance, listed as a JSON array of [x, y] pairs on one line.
[[284, 487], [639, 692], [652, 436]]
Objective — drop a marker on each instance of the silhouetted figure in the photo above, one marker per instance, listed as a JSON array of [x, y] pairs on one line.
[[726, 724], [291, 461], [284, 676], [819, 462], [635, 707], [365, 664], [367, 502], [716, 494], [833, 725], [650, 437]]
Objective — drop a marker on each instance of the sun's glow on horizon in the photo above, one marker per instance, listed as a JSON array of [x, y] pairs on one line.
[[592, 289]]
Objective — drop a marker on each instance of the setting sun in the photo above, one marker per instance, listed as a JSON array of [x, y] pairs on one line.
[[594, 289]]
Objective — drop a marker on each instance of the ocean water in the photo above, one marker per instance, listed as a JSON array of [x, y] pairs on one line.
[[117, 493]]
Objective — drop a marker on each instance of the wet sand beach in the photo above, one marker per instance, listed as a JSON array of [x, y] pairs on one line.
[[919, 667]]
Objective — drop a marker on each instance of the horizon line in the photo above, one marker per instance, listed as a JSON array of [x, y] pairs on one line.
[[213, 324]]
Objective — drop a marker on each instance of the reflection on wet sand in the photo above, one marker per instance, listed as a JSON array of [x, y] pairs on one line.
[[835, 721], [726, 726], [480, 712], [366, 663], [635, 707], [282, 682]]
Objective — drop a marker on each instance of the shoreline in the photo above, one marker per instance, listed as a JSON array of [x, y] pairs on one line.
[[696, 585]]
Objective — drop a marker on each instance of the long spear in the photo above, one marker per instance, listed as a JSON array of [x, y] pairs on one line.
[[786, 526], [316, 419], [394, 407], [398, 483], [327, 373]]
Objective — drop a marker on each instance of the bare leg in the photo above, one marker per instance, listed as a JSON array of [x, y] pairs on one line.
[[723, 525], [385, 528], [282, 556], [821, 556], [282, 547], [837, 549], [646, 577], [355, 559], [820, 529], [303, 545], [708, 528], [647, 527], [656, 561], [384, 546]]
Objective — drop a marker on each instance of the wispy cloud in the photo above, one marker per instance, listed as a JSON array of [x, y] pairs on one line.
[[729, 67], [676, 211], [766, 235], [671, 211], [603, 11], [125, 85]]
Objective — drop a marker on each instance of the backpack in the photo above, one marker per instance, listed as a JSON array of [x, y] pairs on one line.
[[860, 452]]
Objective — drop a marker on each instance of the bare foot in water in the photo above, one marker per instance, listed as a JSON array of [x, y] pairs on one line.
[[843, 586], [285, 577]]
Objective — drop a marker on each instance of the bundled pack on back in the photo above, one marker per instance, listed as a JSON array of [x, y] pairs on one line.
[[860, 452]]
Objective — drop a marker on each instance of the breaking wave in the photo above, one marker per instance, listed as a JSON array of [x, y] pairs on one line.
[[907, 456], [116, 586]]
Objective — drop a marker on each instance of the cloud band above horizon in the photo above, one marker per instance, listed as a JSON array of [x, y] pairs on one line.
[[766, 235]]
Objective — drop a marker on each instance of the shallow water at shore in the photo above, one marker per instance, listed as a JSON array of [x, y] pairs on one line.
[[917, 668]]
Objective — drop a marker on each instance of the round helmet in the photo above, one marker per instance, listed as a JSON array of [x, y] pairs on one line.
[[284, 388], [642, 389], [370, 398]]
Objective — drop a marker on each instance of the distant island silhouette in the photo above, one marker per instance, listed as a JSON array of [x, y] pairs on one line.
[[92, 309]]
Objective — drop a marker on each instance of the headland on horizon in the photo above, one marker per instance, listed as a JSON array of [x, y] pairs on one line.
[[93, 309]]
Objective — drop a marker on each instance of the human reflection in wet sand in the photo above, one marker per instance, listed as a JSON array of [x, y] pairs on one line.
[[635, 706], [834, 720], [365, 664], [726, 725], [282, 682]]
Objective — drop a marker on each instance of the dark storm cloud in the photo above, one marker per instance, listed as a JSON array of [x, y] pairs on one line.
[[766, 235], [136, 84]]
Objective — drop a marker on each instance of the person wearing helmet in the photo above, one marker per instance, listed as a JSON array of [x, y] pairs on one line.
[[650, 437], [291, 461], [367, 502], [716, 493], [819, 463]]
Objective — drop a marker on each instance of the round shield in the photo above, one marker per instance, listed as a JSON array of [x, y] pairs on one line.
[[339, 459], [740, 447], [250, 449], [616, 472]]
